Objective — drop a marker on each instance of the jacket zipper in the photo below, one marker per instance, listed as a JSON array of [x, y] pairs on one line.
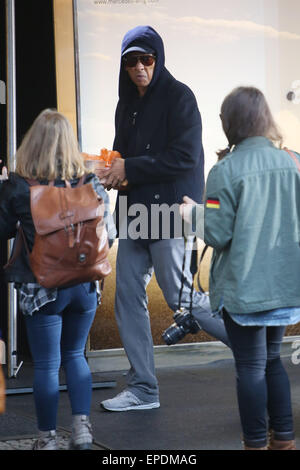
[[134, 118]]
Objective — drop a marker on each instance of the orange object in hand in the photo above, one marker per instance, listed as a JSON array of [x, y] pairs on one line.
[[103, 160], [105, 155], [108, 156]]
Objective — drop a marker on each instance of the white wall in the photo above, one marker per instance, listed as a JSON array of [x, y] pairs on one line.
[[211, 46], [289, 114]]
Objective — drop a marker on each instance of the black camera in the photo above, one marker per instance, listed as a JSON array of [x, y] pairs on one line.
[[184, 323]]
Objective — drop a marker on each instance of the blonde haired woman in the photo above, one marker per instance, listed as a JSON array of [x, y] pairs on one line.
[[57, 320]]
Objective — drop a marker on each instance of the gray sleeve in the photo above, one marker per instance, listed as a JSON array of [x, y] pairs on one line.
[[108, 218]]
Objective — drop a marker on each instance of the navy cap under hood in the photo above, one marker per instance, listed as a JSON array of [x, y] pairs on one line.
[[141, 36]]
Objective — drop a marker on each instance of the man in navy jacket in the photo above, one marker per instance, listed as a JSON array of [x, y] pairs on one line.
[[159, 135]]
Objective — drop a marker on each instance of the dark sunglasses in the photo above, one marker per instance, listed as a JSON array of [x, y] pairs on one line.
[[146, 60]]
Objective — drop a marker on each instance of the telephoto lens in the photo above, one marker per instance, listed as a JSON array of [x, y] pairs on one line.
[[184, 323]]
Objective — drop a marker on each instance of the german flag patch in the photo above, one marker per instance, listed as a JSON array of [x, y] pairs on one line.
[[213, 204]]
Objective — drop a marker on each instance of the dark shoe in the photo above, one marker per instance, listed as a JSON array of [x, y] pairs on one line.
[[277, 444], [255, 448], [282, 445], [253, 445]]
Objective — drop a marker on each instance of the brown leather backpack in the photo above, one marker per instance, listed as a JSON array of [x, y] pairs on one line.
[[71, 242]]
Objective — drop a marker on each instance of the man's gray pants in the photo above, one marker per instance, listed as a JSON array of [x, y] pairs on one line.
[[135, 265]]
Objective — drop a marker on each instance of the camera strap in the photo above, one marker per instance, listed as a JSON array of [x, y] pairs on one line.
[[199, 268], [194, 268]]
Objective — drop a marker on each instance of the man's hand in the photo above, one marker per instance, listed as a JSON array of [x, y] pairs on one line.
[[112, 177]]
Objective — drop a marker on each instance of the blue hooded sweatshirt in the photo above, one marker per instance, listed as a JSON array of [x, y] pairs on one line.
[[141, 36], [159, 134]]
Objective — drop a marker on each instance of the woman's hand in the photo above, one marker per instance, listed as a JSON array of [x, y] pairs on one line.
[[194, 219], [186, 207]]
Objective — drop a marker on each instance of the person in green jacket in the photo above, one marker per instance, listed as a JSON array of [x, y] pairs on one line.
[[252, 221]]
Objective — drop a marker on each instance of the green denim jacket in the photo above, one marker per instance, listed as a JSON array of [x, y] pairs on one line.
[[252, 215]]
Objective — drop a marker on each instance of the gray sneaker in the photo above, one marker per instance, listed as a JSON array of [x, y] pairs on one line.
[[81, 437], [46, 441], [126, 401]]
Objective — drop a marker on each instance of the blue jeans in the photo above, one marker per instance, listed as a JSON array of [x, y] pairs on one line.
[[263, 387], [57, 335]]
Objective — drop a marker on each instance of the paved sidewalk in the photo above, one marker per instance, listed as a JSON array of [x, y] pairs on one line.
[[21, 443], [198, 411]]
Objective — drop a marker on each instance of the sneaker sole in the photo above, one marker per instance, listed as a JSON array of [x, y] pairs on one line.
[[148, 406], [87, 446]]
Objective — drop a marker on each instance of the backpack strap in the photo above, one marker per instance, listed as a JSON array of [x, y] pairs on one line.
[[81, 181], [35, 182], [32, 182]]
